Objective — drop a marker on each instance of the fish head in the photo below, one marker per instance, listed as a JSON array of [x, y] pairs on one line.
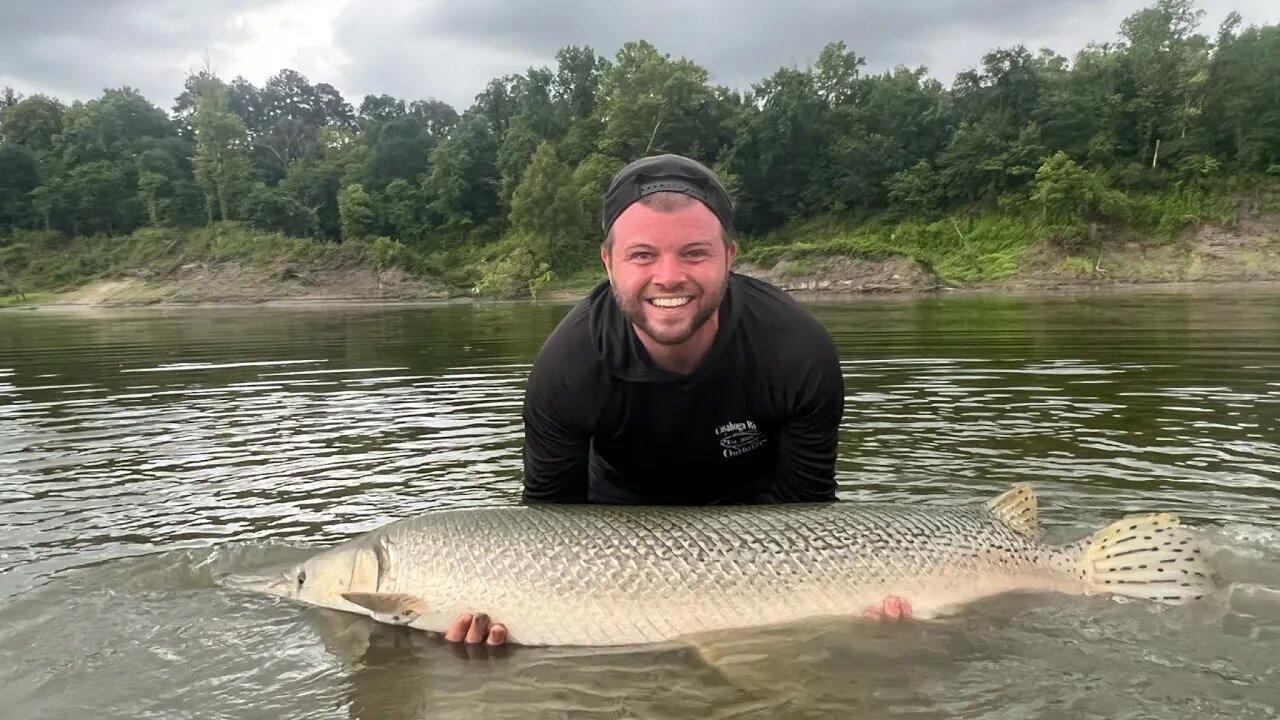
[[322, 579]]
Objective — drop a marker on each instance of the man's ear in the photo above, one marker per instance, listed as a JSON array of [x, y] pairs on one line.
[[605, 258], [730, 252]]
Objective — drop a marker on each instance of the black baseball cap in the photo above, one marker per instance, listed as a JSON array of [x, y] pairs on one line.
[[666, 173]]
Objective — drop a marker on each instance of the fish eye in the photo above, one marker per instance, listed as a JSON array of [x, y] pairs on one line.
[[302, 577]]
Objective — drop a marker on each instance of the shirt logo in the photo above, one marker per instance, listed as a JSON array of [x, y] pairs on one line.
[[739, 438]]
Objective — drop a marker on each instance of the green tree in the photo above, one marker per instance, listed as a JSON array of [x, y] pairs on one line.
[[462, 187], [33, 122], [402, 208], [275, 209], [222, 166], [1067, 193], [356, 210], [399, 149], [1242, 96], [534, 122], [546, 211], [18, 177], [649, 103], [779, 149], [1164, 60]]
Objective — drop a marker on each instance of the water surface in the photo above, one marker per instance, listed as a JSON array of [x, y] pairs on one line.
[[146, 452]]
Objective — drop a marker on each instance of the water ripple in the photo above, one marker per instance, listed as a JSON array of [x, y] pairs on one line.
[[142, 451]]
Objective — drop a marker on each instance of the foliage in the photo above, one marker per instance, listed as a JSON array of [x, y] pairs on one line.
[[355, 209], [1159, 128], [516, 273]]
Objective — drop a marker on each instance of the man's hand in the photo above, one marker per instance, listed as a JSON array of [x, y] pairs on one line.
[[894, 608], [473, 629]]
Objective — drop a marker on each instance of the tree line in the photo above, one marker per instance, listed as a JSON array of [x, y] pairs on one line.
[[1160, 106]]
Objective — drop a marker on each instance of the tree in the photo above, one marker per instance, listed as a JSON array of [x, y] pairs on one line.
[[546, 211], [1164, 61], [399, 149], [462, 187], [402, 212], [356, 210], [1067, 193], [779, 149], [33, 122], [18, 177], [649, 103], [1242, 96], [222, 166], [109, 127], [535, 121], [274, 209]]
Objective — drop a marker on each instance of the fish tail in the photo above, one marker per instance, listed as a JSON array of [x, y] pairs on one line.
[[1147, 556]]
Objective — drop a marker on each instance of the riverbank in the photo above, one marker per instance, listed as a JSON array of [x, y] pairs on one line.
[[1210, 254], [226, 265]]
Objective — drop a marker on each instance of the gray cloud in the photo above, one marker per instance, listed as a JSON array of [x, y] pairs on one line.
[[449, 50], [75, 48]]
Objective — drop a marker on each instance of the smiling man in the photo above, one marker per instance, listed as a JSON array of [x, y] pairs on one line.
[[678, 381]]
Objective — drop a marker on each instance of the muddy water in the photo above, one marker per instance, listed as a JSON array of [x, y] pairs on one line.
[[145, 453]]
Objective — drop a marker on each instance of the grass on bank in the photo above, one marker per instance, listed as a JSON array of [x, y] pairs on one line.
[[989, 246], [26, 299], [960, 248]]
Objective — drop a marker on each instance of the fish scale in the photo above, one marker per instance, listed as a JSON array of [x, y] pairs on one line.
[[613, 575], [662, 575]]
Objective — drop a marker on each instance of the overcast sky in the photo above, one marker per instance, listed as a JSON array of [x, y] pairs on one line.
[[448, 50]]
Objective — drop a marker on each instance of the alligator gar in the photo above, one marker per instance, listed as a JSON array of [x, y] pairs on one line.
[[596, 575]]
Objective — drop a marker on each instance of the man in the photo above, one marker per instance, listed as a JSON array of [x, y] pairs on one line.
[[678, 381]]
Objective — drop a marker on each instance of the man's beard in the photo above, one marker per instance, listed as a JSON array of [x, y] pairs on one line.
[[633, 308]]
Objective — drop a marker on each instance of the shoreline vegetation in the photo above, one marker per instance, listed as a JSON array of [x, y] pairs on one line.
[[230, 263], [1150, 159]]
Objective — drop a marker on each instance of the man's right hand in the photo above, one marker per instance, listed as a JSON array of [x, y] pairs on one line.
[[893, 608], [475, 629]]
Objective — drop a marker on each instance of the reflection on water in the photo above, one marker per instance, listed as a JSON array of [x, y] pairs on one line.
[[145, 452]]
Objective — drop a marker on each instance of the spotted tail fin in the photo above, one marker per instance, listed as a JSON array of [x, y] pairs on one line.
[[1147, 556]]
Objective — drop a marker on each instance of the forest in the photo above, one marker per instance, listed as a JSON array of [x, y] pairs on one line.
[[1161, 127]]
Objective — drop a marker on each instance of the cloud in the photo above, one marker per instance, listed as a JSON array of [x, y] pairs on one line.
[[450, 50], [75, 49]]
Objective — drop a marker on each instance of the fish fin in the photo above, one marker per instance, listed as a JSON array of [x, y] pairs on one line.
[[394, 608], [1017, 508], [1152, 557], [382, 551]]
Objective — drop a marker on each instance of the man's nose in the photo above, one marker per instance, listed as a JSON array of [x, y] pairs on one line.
[[667, 271]]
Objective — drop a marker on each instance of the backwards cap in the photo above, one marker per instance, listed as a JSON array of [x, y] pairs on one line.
[[666, 173]]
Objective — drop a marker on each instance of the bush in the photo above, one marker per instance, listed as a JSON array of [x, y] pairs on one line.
[[514, 275]]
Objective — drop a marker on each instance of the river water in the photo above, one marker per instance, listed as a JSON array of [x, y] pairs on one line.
[[145, 453]]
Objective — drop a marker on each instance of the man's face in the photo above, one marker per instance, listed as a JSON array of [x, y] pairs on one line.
[[668, 270]]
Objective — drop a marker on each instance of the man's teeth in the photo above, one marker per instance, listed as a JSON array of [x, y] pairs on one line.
[[669, 302]]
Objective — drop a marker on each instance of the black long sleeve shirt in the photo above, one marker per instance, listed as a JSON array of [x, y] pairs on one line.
[[756, 422]]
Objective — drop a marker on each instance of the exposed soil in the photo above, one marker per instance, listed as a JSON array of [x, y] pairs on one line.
[[844, 274], [237, 283], [1248, 253]]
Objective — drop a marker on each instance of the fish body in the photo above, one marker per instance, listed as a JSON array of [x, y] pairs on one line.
[[592, 575]]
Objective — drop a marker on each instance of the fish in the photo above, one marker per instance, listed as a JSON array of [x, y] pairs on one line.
[[608, 575]]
